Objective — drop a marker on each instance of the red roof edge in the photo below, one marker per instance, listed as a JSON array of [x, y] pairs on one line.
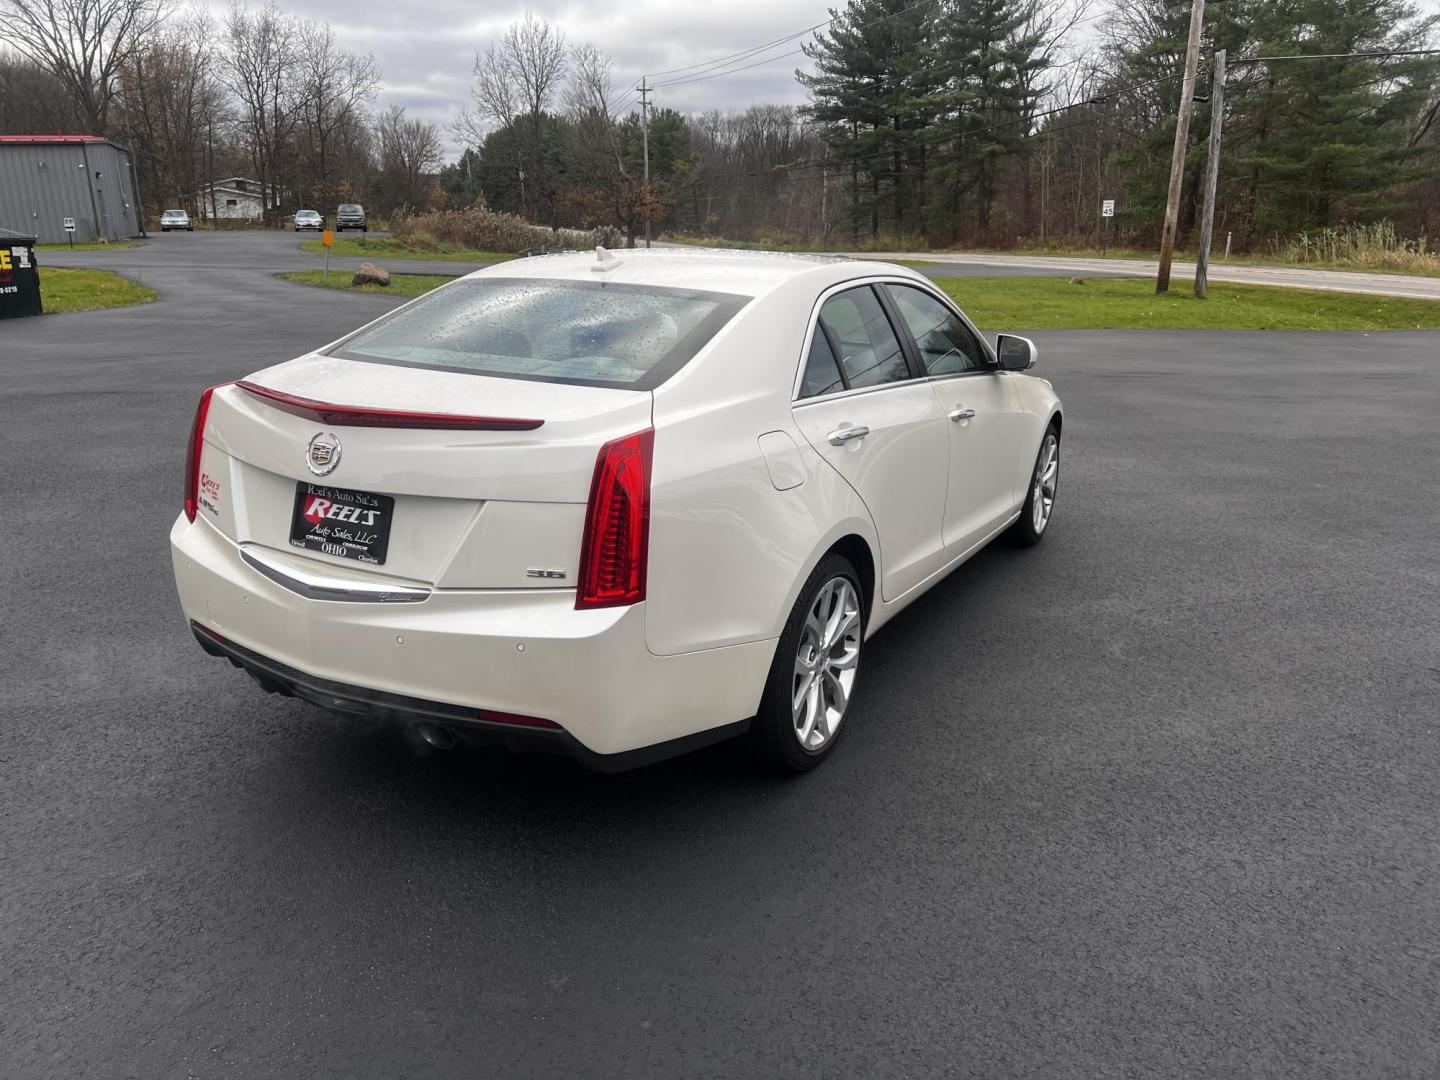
[[51, 138]]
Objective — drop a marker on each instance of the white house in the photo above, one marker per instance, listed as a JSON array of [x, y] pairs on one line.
[[232, 199]]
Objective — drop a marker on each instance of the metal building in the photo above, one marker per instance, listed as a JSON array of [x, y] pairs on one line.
[[45, 179]]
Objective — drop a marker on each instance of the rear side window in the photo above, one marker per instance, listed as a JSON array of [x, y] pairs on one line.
[[822, 374], [869, 351], [591, 333]]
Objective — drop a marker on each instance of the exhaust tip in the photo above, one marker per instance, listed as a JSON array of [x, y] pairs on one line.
[[439, 737]]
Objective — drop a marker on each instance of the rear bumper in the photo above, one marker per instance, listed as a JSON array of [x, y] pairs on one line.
[[519, 651], [375, 705]]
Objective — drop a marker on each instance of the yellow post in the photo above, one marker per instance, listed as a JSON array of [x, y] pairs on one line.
[[328, 239]]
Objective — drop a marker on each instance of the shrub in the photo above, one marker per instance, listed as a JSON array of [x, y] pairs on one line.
[[478, 229], [1363, 247]]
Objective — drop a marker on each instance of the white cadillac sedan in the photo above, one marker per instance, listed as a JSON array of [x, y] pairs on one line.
[[611, 505]]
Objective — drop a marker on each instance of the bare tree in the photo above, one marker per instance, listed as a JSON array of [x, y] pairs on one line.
[[516, 80], [588, 104], [262, 71], [409, 155], [83, 43], [32, 99], [336, 85], [589, 90], [171, 103]]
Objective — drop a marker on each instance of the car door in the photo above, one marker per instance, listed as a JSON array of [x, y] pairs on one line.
[[862, 408], [984, 422]]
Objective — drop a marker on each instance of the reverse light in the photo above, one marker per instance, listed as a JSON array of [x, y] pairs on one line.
[[192, 455], [616, 541]]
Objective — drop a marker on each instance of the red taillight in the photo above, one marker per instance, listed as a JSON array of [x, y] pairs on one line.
[[617, 525], [192, 456]]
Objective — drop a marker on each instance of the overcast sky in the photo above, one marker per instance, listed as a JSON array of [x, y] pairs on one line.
[[426, 48]]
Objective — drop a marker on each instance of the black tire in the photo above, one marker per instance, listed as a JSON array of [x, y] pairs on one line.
[[1024, 532], [774, 741]]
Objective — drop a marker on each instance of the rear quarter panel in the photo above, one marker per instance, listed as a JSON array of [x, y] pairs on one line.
[[728, 551]]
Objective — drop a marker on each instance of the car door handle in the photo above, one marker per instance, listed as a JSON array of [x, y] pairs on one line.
[[840, 436], [962, 414]]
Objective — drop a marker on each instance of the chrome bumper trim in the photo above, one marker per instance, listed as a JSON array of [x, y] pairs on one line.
[[316, 586]]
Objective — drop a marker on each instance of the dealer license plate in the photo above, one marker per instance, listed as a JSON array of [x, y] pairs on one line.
[[338, 521]]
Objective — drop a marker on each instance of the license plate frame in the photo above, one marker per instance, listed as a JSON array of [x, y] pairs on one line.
[[342, 522]]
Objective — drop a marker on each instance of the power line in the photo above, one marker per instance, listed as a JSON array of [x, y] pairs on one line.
[[701, 76], [1340, 56], [745, 53]]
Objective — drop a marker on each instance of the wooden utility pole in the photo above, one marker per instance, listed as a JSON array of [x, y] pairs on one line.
[[1212, 175], [645, 140], [1182, 138]]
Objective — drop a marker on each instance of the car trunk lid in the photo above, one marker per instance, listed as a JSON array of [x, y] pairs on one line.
[[489, 476]]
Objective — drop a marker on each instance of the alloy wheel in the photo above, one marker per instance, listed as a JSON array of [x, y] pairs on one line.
[[825, 664], [1047, 477]]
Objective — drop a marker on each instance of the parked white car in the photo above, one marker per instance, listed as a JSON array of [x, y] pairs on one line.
[[175, 219], [617, 506]]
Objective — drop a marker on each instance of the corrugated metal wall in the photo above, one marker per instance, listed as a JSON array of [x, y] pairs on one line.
[[41, 184]]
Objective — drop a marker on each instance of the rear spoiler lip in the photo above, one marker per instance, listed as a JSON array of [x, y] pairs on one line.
[[366, 416]]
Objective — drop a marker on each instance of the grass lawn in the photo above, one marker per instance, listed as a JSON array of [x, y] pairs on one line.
[[86, 290], [389, 248], [118, 245], [1053, 303], [400, 284]]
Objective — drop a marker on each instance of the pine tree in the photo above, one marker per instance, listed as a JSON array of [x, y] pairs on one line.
[[990, 54], [1332, 136], [871, 97]]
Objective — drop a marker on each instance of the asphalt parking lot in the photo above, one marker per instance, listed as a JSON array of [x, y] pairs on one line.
[[1157, 798]]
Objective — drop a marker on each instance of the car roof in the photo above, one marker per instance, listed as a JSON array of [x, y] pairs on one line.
[[724, 270]]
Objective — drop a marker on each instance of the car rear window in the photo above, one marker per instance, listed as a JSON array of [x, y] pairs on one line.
[[591, 333]]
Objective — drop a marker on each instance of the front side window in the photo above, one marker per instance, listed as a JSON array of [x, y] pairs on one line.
[[863, 339], [946, 344], [585, 332]]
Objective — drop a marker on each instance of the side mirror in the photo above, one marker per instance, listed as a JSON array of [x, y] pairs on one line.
[[1015, 353]]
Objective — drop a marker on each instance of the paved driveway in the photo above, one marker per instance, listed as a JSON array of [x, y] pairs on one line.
[[1157, 798]]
